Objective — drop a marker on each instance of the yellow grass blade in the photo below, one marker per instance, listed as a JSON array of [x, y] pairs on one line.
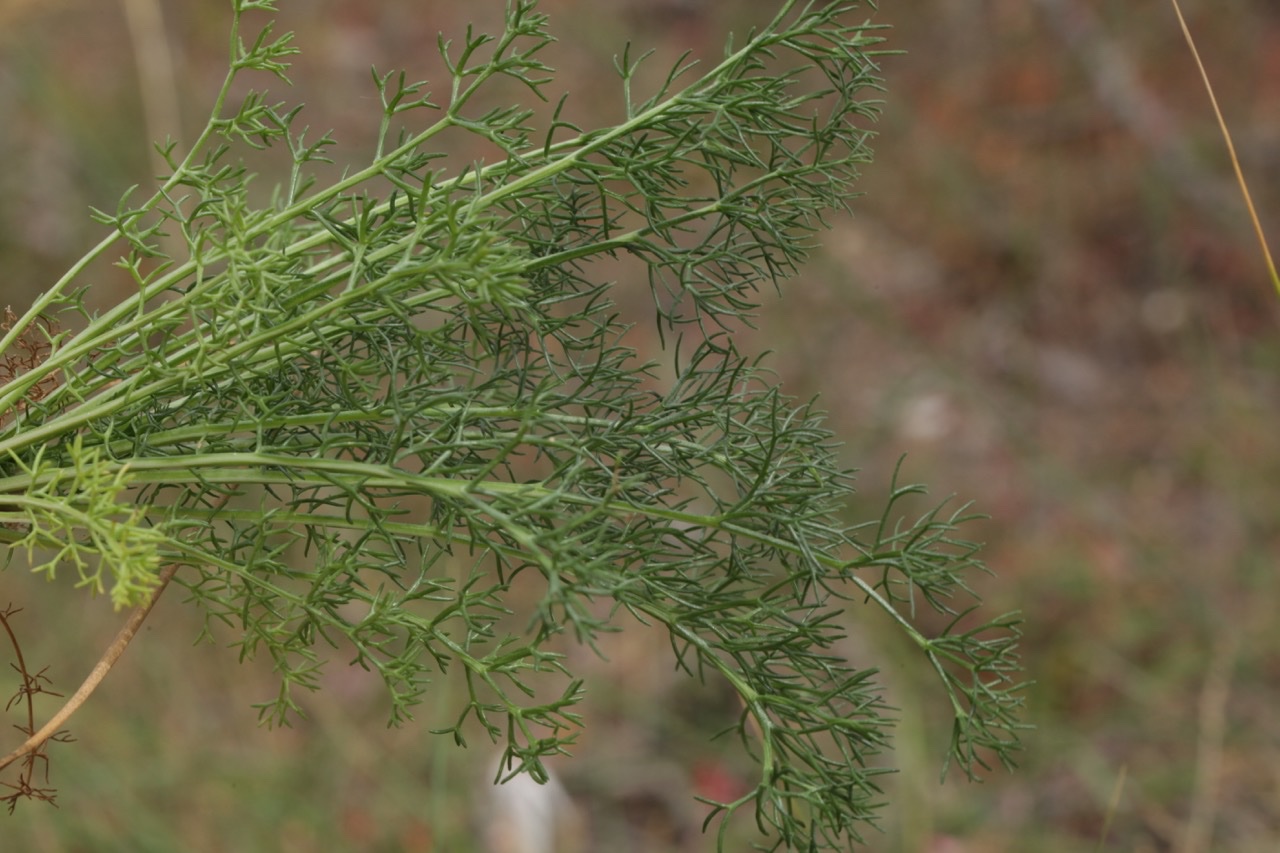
[[1231, 149], [1112, 807]]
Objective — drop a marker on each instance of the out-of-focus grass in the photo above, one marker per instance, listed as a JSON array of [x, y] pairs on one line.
[[1054, 308]]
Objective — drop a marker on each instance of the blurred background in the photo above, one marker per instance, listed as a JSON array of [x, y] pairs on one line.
[[1050, 299]]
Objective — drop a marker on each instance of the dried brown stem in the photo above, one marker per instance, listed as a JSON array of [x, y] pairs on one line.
[[1231, 150], [100, 670]]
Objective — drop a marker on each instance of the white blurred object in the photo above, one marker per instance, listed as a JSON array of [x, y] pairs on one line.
[[928, 418], [521, 816]]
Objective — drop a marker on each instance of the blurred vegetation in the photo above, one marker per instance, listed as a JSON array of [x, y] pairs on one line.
[[1050, 299]]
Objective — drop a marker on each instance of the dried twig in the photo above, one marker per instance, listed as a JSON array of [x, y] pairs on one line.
[[1231, 149], [1197, 835], [1119, 88], [100, 670], [32, 683]]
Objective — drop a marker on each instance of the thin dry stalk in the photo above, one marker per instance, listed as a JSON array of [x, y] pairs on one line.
[[1113, 806], [1198, 834], [1231, 149], [100, 670], [156, 75]]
